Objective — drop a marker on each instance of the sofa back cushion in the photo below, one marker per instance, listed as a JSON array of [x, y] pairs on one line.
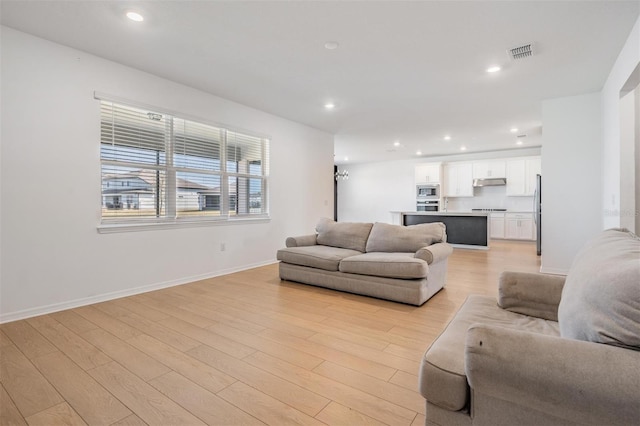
[[397, 238], [601, 296], [346, 235]]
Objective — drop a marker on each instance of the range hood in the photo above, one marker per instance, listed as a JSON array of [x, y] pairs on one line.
[[489, 182]]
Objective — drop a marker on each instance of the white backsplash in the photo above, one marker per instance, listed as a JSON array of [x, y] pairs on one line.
[[489, 197]]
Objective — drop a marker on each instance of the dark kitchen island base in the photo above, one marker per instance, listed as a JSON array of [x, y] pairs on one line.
[[469, 230]]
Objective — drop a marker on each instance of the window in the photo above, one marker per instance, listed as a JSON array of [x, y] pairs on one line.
[[158, 167]]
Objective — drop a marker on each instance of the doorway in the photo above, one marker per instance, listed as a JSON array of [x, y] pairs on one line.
[[630, 153]]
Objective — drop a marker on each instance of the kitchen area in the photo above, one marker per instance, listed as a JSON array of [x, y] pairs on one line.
[[479, 200]]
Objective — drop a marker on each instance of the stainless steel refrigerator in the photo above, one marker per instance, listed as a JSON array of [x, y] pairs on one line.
[[537, 208]]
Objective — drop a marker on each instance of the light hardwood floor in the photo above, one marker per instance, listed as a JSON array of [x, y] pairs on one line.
[[244, 348]]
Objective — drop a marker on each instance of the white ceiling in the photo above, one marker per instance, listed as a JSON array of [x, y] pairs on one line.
[[404, 71]]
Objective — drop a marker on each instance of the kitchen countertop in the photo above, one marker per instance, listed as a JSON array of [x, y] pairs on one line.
[[442, 213], [501, 211]]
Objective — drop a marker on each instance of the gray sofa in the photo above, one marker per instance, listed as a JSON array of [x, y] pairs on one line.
[[551, 351], [401, 263]]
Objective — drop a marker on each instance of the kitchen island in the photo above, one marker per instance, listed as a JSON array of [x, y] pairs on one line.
[[467, 230]]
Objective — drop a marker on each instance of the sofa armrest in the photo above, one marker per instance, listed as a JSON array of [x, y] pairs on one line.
[[580, 382], [434, 253], [301, 241], [532, 294]]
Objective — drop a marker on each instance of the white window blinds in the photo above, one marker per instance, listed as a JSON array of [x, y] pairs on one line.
[[159, 167], [247, 161]]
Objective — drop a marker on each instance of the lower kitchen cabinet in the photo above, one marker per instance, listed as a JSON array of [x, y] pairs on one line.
[[512, 226], [519, 226], [496, 225]]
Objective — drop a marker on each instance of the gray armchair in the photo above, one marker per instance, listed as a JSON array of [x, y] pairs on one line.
[[526, 360]]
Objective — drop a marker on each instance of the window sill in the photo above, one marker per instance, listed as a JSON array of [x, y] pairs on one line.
[[113, 228]]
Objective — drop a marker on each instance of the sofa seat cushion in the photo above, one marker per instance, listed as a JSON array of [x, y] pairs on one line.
[[601, 297], [389, 265], [395, 238], [321, 257], [443, 364]]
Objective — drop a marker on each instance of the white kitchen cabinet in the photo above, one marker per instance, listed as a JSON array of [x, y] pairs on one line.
[[458, 180], [496, 225], [519, 226], [515, 177], [489, 169], [521, 176], [428, 173]]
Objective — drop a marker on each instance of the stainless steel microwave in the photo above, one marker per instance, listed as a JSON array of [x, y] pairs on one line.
[[428, 191]]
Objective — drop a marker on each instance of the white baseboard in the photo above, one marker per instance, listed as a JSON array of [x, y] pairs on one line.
[[56, 307], [554, 271], [469, 246]]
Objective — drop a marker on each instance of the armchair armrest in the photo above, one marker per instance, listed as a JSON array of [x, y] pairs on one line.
[[580, 382], [434, 253], [301, 241], [532, 294]]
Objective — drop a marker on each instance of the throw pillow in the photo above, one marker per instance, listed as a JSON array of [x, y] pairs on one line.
[[346, 235], [395, 238], [601, 296]]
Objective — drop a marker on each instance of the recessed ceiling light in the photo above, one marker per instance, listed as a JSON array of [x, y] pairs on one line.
[[329, 105], [396, 143], [447, 138], [346, 158], [513, 129], [331, 45], [418, 152], [493, 68], [135, 16], [463, 148], [519, 142]]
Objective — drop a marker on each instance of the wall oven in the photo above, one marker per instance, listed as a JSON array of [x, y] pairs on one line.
[[428, 191], [427, 205]]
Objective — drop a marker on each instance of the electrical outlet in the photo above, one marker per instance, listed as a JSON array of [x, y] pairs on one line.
[[223, 246]]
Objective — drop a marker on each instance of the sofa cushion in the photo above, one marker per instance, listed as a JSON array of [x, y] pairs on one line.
[[601, 296], [395, 238], [321, 257], [345, 235], [443, 381], [390, 265]]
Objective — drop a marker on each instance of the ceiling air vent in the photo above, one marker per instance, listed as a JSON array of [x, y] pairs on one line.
[[521, 52]]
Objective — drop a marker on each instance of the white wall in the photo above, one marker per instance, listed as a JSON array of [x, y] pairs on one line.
[[628, 113], [490, 197], [626, 63], [571, 178], [373, 190], [52, 255], [636, 147]]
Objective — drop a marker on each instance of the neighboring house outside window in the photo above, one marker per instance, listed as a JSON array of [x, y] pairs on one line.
[[158, 167]]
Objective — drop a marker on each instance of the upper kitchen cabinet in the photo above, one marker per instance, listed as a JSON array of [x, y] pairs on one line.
[[489, 169], [521, 176], [428, 173], [458, 180]]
